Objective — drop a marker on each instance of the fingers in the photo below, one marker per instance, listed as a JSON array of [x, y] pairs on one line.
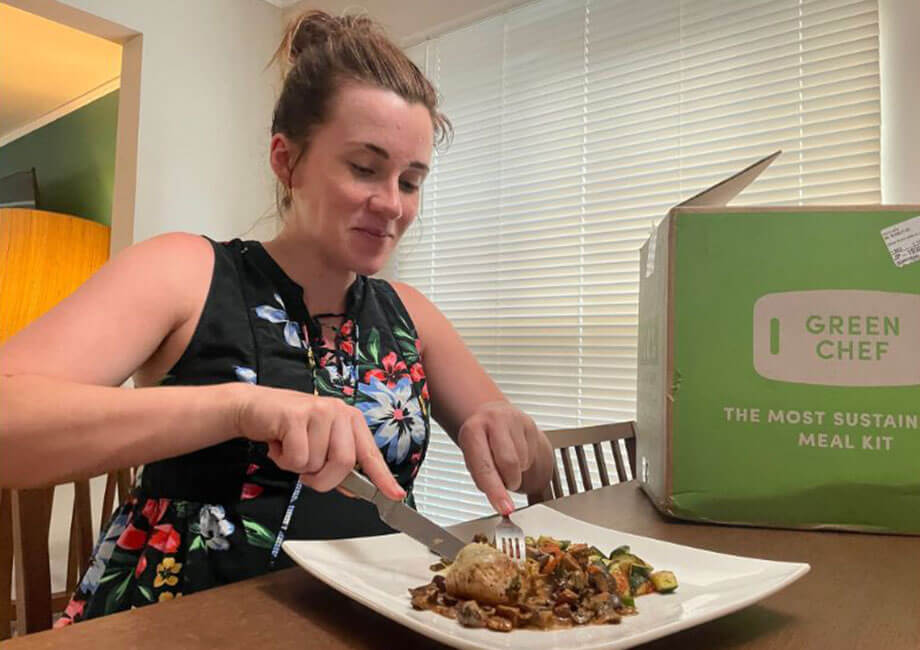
[[275, 451], [319, 429], [321, 440], [506, 455], [339, 458], [291, 447], [479, 461], [518, 432], [372, 462], [532, 435]]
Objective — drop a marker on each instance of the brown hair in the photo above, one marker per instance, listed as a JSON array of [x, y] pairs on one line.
[[319, 52]]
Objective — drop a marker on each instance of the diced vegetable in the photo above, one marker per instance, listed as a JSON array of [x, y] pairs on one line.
[[663, 581], [644, 588], [550, 564], [638, 576], [622, 582], [623, 555]]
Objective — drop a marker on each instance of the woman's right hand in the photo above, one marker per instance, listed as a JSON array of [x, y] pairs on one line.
[[320, 438]]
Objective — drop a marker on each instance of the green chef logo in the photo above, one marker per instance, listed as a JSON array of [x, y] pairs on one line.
[[854, 337], [838, 337]]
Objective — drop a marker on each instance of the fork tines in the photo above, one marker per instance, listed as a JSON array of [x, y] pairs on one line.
[[511, 546], [509, 539]]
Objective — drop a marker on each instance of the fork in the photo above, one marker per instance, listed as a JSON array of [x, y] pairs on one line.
[[509, 539]]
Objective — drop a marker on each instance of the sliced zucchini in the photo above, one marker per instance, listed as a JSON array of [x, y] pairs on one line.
[[638, 577], [596, 551], [663, 581], [624, 557]]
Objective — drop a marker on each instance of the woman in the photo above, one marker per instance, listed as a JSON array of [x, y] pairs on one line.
[[256, 365]]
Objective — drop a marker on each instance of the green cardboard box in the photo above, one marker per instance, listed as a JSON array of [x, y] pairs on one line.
[[779, 364]]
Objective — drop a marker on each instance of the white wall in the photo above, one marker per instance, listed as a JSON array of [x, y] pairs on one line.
[[899, 67], [412, 21], [205, 112]]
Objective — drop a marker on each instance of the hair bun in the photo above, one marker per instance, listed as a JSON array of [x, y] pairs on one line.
[[315, 29], [312, 29]]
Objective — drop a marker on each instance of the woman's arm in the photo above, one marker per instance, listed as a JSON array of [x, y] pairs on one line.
[[502, 446], [61, 413], [53, 430]]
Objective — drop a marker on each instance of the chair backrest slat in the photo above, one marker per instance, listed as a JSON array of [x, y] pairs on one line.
[[618, 459], [124, 477], [6, 562], [601, 463], [569, 472], [583, 466], [108, 499], [31, 524], [596, 436], [81, 535], [556, 483], [631, 452]]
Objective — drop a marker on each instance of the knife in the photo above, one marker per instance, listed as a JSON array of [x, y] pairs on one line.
[[403, 518]]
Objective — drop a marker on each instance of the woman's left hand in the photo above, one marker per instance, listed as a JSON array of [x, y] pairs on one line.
[[505, 450]]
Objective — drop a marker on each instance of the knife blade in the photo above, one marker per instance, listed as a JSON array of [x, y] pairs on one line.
[[404, 519]]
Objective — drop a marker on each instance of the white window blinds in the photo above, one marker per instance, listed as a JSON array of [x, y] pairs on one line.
[[578, 124]]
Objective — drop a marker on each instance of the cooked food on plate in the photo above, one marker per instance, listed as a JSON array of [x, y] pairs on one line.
[[560, 585]]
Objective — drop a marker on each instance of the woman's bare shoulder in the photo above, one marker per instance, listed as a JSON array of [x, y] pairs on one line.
[[115, 321]]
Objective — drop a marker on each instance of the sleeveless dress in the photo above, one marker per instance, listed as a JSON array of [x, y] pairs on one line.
[[212, 516]]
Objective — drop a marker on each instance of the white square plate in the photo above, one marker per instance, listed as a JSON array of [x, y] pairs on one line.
[[378, 572]]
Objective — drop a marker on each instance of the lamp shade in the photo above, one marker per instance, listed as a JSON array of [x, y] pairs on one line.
[[44, 257]]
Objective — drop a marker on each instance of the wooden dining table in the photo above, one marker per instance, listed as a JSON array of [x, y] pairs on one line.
[[863, 591]]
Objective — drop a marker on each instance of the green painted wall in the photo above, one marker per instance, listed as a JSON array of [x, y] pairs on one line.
[[74, 159]]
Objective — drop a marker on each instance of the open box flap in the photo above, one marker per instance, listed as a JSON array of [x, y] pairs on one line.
[[724, 191]]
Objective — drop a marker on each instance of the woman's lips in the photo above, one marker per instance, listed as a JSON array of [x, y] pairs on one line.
[[373, 232]]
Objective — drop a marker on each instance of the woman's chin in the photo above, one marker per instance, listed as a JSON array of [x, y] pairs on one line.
[[365, 266], [367, 255]]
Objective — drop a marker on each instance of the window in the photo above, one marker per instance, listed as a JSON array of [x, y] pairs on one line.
[[578, 124]]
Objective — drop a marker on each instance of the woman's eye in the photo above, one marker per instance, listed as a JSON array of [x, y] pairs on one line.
[[361, 171], [408, 187]]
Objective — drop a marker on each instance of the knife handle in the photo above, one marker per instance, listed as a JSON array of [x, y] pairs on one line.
[[359, 486]]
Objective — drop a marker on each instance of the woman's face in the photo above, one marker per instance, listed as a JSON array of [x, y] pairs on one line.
[[356, 189]]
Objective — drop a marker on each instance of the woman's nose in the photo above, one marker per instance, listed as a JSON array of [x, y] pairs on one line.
[[386, 201]]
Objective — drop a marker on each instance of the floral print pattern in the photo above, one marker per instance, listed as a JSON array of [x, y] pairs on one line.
[[102, 553], [279, 315], [393, 416], [167, 571], [156, 549], [215, 528]]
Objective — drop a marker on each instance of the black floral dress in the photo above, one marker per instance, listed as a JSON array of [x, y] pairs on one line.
[[213, 516]]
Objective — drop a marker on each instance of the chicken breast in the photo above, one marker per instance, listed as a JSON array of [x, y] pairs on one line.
[[485, 574]]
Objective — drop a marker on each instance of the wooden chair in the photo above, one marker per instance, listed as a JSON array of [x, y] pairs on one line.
[[566, 439], [25, 521]]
